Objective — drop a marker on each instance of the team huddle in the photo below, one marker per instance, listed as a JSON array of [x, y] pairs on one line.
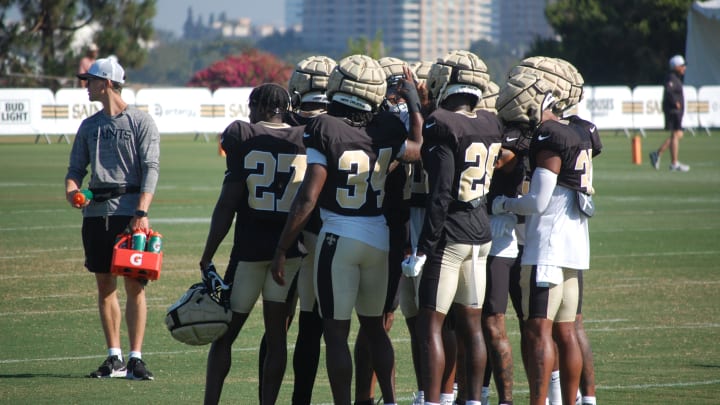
[[373, 184]]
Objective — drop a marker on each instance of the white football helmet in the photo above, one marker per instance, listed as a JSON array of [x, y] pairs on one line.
[[421, 69], [201, 315], [524, 97], [393, 68], [358, 81], [308, 82], [562, 75], [490, 98], [458, 72]]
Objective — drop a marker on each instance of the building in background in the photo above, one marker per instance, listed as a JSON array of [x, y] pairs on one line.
[[411, 29], [521, 22], [293, 15]]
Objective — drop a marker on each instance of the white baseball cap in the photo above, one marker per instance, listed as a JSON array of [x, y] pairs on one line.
[[105, 68], [676, 61]]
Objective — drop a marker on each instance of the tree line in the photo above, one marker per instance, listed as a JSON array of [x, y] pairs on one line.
[[610, 42]]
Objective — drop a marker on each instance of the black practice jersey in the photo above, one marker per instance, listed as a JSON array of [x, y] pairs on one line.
[[270, 162], [416, 186], [296, 120], [357, 161], [509, 181], [574, 144], [459, 154], [591, 128]]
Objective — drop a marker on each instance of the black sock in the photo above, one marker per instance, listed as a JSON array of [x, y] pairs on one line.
[[306, 356]]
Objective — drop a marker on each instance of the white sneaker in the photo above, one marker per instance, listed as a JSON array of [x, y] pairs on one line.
[[679, 167]]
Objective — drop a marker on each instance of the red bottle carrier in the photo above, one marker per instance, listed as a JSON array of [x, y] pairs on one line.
[[135, 263]]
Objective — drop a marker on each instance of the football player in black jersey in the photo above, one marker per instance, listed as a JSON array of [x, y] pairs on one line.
[[396, 212], [415, 193], [308, 86], [557, 206], [461, 145], [503, 264], [569, 84], [265, 165], [349, 152]]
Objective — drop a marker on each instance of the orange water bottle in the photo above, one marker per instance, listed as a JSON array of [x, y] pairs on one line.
[[82, 196]]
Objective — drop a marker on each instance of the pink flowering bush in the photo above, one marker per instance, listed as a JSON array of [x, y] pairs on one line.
[[249, 69]]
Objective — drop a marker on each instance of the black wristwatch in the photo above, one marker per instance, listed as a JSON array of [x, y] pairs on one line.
[[140, 213]]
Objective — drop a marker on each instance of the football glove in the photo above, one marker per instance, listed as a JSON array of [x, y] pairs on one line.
[[212, 280], [412, 265], [498, 205]]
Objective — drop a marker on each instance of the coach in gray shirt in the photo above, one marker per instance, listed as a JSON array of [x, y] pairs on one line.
[[121, 146]]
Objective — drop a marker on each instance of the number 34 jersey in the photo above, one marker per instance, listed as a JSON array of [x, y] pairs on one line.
[[357, 161], [269, 161]]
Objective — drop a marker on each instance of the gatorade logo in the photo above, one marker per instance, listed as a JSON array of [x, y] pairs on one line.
[[136, 259]]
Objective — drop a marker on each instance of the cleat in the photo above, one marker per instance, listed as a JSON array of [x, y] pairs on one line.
[[136, 370], [110, 368]]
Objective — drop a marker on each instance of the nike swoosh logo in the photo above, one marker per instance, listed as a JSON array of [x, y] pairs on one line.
[[306, 135], [508, 139], [592, 128], [430, 124], [431, 148], [542, 138]]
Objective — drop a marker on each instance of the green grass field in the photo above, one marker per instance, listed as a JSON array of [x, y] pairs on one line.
[[651, 301]]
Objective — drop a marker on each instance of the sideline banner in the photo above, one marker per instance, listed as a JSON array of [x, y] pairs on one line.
[[708, 106], [608, 107], [647, 107], [231, 104], [690, 117], [26, 111], [177, 110]]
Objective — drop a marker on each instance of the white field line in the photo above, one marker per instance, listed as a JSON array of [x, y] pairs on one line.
[[653, 254], [198, 220], [394, 340]]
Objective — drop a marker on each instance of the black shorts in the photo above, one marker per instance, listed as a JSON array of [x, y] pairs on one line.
[[514, 287], [673, 120], [497, 283], [98, 236]]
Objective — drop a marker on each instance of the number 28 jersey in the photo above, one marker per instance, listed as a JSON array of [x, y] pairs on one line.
[[459, 153]]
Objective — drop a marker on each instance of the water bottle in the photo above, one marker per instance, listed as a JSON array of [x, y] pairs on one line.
[[139, 239], [82, 196], [154, 243]]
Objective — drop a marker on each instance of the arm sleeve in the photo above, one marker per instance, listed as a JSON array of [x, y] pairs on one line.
[[536, 201], [440, 167]]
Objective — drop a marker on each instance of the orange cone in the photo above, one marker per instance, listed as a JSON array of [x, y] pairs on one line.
[[637, 150]]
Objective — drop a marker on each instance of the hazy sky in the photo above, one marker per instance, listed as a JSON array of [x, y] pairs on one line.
[[171, 14]]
